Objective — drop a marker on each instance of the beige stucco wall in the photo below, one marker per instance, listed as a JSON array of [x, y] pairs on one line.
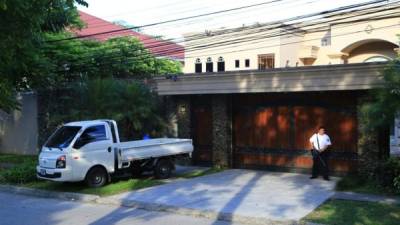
[[364, 52], [231, 47], [290, 47], [345, 35], [289, 50]]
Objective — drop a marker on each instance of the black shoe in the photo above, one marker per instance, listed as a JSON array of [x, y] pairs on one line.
[[313, 177], [327, 178]]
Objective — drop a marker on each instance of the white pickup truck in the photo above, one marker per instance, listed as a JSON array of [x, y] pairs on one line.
[[90, 151]]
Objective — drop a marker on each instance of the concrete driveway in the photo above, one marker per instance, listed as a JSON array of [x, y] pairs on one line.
[[243, 193]]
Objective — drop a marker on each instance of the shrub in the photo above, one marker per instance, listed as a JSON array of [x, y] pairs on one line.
[[349, 182], [388, 173], [20, 173], [15, 159], [397, 184], [132, 104]]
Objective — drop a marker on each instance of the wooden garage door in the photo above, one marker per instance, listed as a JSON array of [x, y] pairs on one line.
[[268, 134], [202, 131]]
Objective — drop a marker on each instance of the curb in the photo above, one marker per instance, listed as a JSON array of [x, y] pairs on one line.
[[70, 196], [352, 196], [230, 217]]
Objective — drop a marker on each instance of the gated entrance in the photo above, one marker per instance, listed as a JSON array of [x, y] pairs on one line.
[[272, 131]]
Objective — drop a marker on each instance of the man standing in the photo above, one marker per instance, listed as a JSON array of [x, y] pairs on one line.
[[320, 143]]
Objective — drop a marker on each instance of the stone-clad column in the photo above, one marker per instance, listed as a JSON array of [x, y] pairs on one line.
[[183, 116], [171, 116], [222, 130]]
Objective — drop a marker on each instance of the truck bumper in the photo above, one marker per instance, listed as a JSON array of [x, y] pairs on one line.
[[54, 174]]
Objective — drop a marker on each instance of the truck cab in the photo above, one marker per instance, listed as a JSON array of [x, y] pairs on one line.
[[77, 147]]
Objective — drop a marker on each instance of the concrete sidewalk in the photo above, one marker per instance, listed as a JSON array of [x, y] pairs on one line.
[[261, 196], [243, 196]]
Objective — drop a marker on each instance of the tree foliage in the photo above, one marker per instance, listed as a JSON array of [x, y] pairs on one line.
[[131, 104], [381, 111], [7, 96], [122, 57], [22, 28], [166, 66], [32, 58]]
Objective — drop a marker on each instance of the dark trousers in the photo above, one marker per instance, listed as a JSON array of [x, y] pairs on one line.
[[320, 164]]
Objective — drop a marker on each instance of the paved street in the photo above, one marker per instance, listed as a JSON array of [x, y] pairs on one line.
[[19, 209]]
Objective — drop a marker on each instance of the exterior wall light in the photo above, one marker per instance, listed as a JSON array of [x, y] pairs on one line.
[[182, 109]]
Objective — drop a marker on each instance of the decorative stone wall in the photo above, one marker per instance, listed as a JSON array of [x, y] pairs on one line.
[[171, 116], [183, 116], [222, 130]]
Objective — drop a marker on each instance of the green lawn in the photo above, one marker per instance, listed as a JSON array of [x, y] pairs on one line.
[[10, 158], [198, 173], [345, 212], [116, 187], [357, 184], [23, 173], [112, 188]]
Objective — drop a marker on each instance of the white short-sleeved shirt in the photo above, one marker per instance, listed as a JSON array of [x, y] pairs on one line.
[[323, 140]]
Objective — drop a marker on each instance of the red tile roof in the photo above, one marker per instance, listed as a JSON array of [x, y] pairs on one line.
[[160, 48]]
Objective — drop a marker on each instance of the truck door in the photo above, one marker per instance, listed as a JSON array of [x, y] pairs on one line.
[[94, 147]]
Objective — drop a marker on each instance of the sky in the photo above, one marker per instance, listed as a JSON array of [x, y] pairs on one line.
[[138, 13]]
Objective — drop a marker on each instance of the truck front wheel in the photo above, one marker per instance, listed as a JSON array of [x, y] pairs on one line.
[[96, 177], [163, 169]]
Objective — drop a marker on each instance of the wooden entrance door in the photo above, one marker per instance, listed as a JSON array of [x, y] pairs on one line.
[[202, 132]]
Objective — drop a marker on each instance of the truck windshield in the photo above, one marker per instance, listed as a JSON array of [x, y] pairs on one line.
[[62, 137]]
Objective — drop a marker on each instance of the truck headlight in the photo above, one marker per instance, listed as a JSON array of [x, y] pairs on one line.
[[61, 162]]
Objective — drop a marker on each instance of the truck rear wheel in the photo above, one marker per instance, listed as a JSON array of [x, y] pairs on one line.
[[96, 177], [163, 169]]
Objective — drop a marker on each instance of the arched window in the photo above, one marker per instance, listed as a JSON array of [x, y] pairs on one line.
[[221, 64], [198, 66], [377, 59], [209, 65]]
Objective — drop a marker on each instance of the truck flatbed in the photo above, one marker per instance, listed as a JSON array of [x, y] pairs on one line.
[[154, 148]]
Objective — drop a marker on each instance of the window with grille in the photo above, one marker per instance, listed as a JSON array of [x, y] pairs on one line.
[[221, 64], [198, 66], [266, 61]]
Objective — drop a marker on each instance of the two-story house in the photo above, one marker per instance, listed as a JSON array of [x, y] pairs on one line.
[[251, 97], [355, 37]]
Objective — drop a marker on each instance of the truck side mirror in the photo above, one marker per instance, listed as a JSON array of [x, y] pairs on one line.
[[83, 140], [79, 144]]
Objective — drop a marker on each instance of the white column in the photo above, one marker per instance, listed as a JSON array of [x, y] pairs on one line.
[[395, 146]]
